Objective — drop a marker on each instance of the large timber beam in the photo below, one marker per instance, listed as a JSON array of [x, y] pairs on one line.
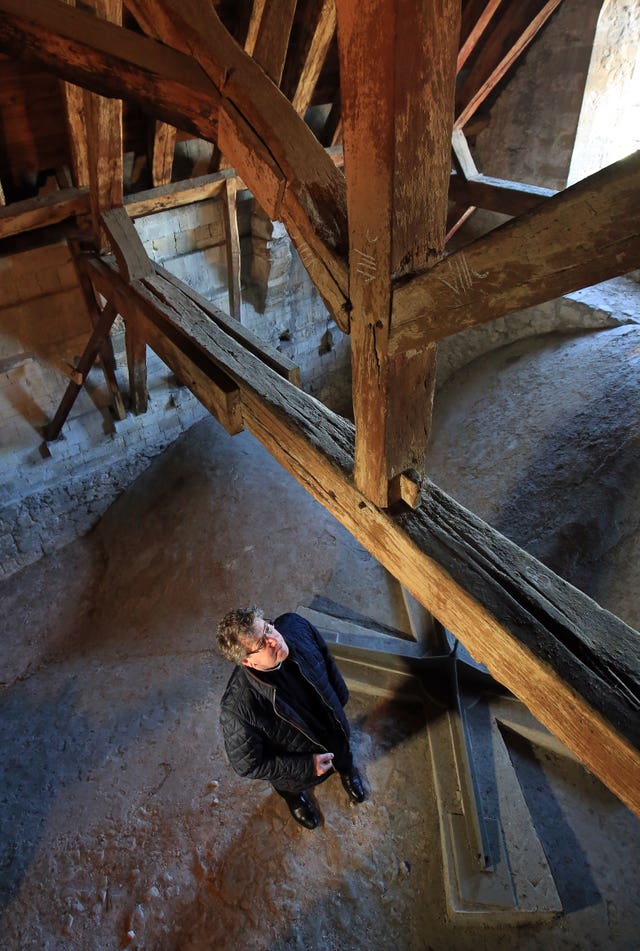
[[264, 138], [397, 67], [585, 234], [235, 105], [43, 210], [576, 666]]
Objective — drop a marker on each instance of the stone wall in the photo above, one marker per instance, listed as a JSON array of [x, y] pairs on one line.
[[532, 123], [52, 493]]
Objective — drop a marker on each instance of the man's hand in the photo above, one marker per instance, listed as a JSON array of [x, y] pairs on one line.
[[322, 763]]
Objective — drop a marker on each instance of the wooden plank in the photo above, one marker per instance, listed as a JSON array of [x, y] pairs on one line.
[[462, 157], [105, 348], [133, 260], [495, 194], [255, 19], [509, 36], [173, 87], [270, 49], [232, 247], [585, 234], [269, 355], [86, 361], [163, 144], [43, 210], [112, 61], [267, 142], [397, 65], [104, 138], [476, 16], [136, 347], [215, 390], [576, 666], [317, 29], [73, 98], [179, 193], [456, 217]]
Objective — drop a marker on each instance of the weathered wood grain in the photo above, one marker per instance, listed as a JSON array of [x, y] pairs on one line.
[[576, 666], [232, 248], [317, 29], [133, 260], [312, 204], [43, 210], [583, 235], [397, 63], [505, 39], [161, 152]]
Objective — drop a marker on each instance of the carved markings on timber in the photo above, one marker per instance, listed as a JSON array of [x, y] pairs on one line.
[[463, 277]]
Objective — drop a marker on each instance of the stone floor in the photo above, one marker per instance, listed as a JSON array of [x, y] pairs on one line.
[[122, 825]]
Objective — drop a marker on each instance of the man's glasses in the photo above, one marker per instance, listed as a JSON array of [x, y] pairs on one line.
[[267, 633]]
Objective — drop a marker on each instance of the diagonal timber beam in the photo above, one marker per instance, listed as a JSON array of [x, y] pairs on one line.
[[268, 143], [397, 65], [98, 336], [259, 130], [576, 666], [504, 41], [585, 234], [317, 29], [43, 210]]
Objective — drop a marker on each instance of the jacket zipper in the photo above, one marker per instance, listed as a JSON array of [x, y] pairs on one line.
[[313, 687]]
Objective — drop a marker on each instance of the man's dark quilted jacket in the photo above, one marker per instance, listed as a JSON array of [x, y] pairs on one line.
[[264, 737]]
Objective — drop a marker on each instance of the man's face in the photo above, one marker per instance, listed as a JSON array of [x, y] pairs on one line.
[[267, 648]]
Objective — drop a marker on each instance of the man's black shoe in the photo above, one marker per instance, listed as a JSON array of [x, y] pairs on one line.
[[304, 811], [352, 782]]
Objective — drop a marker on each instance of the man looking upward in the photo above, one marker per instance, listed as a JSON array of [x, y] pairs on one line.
[[282, 711]]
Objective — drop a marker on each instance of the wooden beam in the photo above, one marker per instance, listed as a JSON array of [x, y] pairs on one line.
[[110, 60], [456, 217], [179, 193], [502, 45], [215, 390], [255, 19], [476, 16], [161, 152], [397, 67], [290, 174], [462, 158], [232, 247], [317, 29], [496, 194], [86, 361], [73, 98], [105, 346], [272, 40], [104, 138], [273, 150], [270, 356], [133, 260], [586, 234], [136, 347], [576, 666], [42, 211]]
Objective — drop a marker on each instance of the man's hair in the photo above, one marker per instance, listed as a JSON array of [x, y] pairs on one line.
[[234, 631]]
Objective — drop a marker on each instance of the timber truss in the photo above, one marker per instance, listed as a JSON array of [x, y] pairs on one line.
[[372, 239]]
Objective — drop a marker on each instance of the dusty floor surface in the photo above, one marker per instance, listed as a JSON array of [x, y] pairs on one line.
[[122, 826]]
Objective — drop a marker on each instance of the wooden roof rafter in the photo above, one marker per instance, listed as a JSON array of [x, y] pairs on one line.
[[574, 665], [494, 596]]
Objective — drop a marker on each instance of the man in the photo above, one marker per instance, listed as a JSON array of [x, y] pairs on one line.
[[282, 711]]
